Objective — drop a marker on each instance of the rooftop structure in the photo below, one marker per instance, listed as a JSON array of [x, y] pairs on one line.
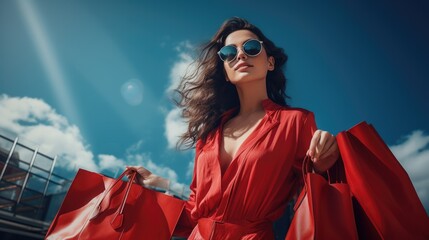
[[30, 192]]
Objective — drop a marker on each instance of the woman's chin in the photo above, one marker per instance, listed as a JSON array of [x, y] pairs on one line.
[[245, 79]]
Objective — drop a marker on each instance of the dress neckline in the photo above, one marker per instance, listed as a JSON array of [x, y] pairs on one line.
[[267, 105]]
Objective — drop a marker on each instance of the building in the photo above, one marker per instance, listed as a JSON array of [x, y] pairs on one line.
[[30, 192]]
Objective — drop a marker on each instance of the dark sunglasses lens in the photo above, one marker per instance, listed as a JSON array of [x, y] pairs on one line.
[[252, 47], [227, 53]]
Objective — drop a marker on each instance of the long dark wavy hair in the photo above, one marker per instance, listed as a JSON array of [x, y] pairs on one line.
[[204, 94]]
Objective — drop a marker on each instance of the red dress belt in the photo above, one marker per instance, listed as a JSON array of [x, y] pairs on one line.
[[212, 229]]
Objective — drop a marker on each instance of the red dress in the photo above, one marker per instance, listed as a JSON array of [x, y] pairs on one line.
[[257, 185]]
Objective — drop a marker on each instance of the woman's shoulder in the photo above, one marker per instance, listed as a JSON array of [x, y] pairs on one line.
[[295, 110], [288, 112], [294, 114]]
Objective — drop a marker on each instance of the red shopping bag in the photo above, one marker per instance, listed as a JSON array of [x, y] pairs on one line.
[[324, 209], [387, 205], [99, 207]]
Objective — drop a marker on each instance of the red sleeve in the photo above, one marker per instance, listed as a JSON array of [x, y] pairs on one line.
[[306, 128], [186, 224]]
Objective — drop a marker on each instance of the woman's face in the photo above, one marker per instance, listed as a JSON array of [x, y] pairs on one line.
[[245, 68]]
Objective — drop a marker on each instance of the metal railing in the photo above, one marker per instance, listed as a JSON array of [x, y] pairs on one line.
[[30, 191]]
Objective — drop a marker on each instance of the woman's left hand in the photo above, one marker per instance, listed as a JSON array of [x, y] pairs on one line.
[[323, 150]]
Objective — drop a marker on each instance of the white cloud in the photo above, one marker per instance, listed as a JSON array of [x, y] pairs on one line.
[[413, 143], [136, 157], [110, 162], [35, 120], [174, 126], [413, 154], [184, 46], [180, 68], [174, 123]]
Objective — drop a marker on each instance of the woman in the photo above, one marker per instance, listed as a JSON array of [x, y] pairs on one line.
[[249, 143]]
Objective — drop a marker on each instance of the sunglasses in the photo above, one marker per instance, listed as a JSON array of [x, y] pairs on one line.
[[251, 48]]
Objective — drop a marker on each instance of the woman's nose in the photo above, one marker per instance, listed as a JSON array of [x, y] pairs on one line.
[[241, 54]]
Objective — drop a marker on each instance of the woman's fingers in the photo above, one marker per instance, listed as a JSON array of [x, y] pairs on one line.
[[140, 170], [319, 142], [142, 173], [128, 174], [327, 159], [326, 140], [313, 144], [135, 168], [331, 150], [145, 177], [323, 150]]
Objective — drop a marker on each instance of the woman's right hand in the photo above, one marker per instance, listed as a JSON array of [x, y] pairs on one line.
[[146, 178]]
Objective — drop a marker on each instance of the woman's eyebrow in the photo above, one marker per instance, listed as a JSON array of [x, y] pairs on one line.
[[233, 44]]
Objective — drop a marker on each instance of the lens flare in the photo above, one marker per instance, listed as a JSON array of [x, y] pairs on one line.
[[132, 92]]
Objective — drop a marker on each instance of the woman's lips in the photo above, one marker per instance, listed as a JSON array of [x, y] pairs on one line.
[[242, 66]]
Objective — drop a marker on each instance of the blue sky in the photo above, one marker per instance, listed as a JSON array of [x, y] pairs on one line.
[[90, 80]]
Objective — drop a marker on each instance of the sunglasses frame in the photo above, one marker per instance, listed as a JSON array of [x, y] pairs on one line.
[[242, 49]]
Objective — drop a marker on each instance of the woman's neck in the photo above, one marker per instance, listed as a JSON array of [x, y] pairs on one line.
[[251, 95]]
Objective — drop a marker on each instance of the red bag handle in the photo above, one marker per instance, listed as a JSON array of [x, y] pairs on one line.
[[307, 167], [335, 175], [103, 203]]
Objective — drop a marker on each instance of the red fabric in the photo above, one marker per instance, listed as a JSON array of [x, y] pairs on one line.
[[271, 159], [387, 205]]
